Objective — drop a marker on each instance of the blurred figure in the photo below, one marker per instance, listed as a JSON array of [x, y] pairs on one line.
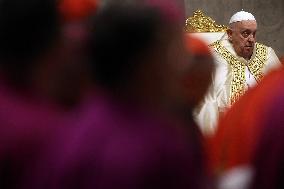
[[26, 40], [128, 137], [268, 160], [197, 79], [67, 75], [198, 76], [49, 60], [32, 106], [234, 146]]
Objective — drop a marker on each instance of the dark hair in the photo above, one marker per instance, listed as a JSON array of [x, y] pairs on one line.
[[27, 28], [122, 34]]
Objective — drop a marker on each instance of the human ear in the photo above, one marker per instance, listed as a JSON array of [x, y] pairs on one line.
[[229, 33]]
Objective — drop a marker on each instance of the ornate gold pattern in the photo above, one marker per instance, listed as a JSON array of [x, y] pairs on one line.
[[199, 22], [238, 68], [257, 63]]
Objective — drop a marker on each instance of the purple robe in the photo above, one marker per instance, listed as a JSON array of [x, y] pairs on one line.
[[27, 124], [118, 145]]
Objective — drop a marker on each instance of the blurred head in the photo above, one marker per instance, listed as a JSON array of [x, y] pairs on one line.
[[63, 74], [131, 44], [198, 76], [40, 54], [242, 35], [28, 29]]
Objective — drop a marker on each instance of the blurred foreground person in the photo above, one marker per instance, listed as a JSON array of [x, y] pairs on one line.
[[268, 159], [197, 79], [199, 74], [66, 77], [128, 138], [239, 136], [29, 113]]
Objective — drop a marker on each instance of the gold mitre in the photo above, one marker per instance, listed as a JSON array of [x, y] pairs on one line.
[[199, 22]]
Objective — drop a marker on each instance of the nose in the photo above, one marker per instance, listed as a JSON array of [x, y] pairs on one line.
[[251, 38]]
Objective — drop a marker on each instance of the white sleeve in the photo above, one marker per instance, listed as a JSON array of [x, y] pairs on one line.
[[206, 116], [207, 113], [272, 61]]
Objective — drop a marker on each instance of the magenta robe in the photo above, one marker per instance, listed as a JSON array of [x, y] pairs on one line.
[[27, 124], [118, 145]]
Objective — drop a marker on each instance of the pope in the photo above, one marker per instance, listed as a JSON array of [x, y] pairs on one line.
[[241, 63]]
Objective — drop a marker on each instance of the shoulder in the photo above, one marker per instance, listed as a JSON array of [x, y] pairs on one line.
[[217, 49], [261, 45], [269, 49], [271, 56]]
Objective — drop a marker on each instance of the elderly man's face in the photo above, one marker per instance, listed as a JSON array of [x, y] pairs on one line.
[[243, 36]]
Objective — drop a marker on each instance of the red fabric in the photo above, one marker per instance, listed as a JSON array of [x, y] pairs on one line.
[[196, 46], [200, 66], [238, 131], [282, 59], [198, 77], [77, 9], [269, 156]]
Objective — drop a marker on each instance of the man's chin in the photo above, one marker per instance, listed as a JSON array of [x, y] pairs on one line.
[[247, 55], [248, 52]]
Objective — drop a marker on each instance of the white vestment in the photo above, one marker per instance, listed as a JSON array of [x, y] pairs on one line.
[[226, 87]]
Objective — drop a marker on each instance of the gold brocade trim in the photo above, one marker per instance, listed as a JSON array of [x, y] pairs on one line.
[[258, 62], [199, 22], [238, 68]]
